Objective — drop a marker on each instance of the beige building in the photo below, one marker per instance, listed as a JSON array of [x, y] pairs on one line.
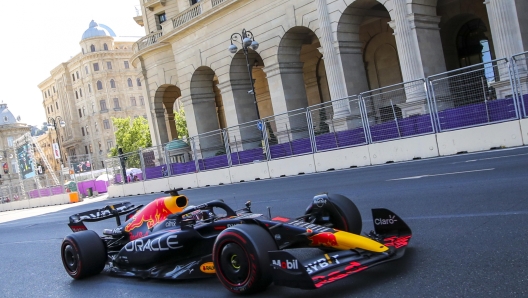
[[45, 142], [311, 51], [10, 130], [88, 90]]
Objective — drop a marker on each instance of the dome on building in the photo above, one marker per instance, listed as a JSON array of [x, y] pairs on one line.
[[97, 30], [6, 117]]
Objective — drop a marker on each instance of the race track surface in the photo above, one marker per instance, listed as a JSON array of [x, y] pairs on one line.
[[468, 213]]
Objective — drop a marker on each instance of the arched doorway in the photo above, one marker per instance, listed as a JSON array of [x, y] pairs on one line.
[[164, 100]]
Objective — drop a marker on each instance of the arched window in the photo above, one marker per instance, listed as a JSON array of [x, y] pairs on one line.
[[92, 48], [472, 43], [112, 83], [76, 95], [89, 88], [99, 85], [138, 82], [105, 47], [130, 82]]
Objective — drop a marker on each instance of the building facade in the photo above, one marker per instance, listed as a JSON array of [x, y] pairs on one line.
[[311, 52], [87, 91]]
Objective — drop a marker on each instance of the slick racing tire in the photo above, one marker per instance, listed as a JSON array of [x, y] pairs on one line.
[[338, 210], [240, 257], [83, 254]]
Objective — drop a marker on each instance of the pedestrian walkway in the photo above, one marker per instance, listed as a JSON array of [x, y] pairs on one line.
[[8, 216]]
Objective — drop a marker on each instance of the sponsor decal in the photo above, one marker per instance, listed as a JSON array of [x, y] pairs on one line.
[[207, 267], [385, 221], [352, 268], [170, 223], [319, 201], [397, 242], [287, 264], [138, 235], [281, 219], [323, 239], [152, 214], [155, 244], [321, 263]]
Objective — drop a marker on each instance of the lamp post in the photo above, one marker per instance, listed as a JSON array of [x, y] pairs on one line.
[[247, 40], [52, 123]]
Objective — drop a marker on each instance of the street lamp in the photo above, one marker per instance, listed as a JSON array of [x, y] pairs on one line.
[[52, 123], [247, 40]]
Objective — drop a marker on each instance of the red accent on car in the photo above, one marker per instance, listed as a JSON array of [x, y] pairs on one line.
[[397, 242], [220, 228], [283, 219]]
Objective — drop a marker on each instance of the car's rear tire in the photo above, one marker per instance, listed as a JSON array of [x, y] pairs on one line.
[[338, 210], [83, 254], [240, 257]]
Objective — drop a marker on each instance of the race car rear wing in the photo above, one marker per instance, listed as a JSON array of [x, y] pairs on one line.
[[326, 268], [76, 221]]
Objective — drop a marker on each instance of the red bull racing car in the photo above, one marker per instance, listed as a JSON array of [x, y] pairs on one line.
[[169, 239]]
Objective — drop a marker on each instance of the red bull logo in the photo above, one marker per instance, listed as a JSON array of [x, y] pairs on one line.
[[324, 239], [155, 212]]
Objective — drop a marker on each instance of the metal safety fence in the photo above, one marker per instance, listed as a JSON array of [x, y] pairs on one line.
[[519, 66], [288, 134], [475, 95]]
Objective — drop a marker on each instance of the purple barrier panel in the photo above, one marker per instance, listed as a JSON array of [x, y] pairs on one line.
[[384, 131], [44, 192], [213, 162], [501, 109], [326, 141], [351, 137], [183, 168], [415, 125], [57, 190], [154, 172], [469, 115], [301, 146], [249, 156], [101, 187], [81, 188], [280, 150], [118, 179], [34, 194]]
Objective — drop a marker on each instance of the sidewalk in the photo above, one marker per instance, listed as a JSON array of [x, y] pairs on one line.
[[8, 216]]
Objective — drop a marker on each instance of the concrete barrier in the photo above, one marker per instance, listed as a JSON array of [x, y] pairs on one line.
[[348, 157], [156, 185], [523, 123], [249, 172], [507, 134], [183, 181], [404, 149], [291, 166], [115, 190], [214, 177], [136, 188]]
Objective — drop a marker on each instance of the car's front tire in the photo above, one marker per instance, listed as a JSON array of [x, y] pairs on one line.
[[83, 254], [240, 257]]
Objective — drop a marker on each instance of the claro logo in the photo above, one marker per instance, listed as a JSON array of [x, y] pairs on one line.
[[208, 268], [385, 221], [286, 264]]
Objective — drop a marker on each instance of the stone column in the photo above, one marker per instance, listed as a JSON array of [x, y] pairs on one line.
[[505, 29], [334, 70]]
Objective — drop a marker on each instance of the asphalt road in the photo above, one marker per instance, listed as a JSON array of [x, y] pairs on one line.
[[468, 213]]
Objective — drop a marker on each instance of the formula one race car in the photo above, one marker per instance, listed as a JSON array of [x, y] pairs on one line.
[[247, 251]]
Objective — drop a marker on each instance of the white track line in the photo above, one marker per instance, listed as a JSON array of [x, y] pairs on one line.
[[433, 175]]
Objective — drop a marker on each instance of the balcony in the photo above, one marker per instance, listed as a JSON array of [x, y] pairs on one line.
[[139, 20], [146, 41], [151, 4]]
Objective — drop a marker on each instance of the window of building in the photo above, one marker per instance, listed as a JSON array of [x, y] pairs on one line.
[[96, 66], [82, 132], [129, 82], [127, 66], [54, 91], [89, 88], [76, 95], [116, 103], [133, 101], [80, 92], [77, 74], [57, 105], [112, 84], [73, 77], [138, 82], [109, 65], [194, 2], [162, 17], [80, 113], [10, 141], [109, 145], [86, 69], [106, 124], [99, 85], [84, 111], [141, 101], [51, 108], [102, 103], [86, 128], [105, 47], [45, 94], [86, 149], [92, 48], [49, 93]]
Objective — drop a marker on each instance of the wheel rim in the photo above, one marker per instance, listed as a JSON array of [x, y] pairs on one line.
[[70, 258], [234, 264]]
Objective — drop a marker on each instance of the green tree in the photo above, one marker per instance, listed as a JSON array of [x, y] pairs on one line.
[[130, 136], [181, 123]]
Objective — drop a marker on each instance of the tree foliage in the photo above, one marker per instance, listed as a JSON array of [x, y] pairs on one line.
[[181, 123], [130, 136]]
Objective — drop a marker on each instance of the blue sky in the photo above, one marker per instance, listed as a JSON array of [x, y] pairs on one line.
[[39, 35]]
